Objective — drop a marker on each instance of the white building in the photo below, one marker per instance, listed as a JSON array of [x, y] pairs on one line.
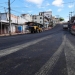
[[48, 14], [47, 17], [27, 17], [38, 19], [15, 22], [43, 18]]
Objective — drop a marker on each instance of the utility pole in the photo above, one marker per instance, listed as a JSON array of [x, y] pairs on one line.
[[9, 10], [1, 23], [71, 13], [43, 18], [70, 16]]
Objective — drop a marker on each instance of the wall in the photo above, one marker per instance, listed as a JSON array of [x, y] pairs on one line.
[[38, 20], [13, 29], [3, 16], [27, 17], [25, 28], [21, 20]]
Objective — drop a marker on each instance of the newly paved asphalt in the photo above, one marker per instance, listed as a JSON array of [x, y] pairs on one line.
[[51, 52]]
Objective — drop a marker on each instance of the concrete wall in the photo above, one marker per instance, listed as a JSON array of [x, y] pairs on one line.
[[21, 20], [14, 18], [27, 17], [25, 28], [38, 20], [13, 29], [3, 16]]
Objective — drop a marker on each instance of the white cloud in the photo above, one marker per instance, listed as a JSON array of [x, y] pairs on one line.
[[43, 5], [26, 6], [23, 11], [47, 4], [71, 6], [66, 19], [59, 10], [58, 3], [39, 6], [39, 2], [29, 11], [49, 10]]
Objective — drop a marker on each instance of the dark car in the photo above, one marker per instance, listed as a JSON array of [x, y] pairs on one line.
[[73, 29], [65, 26]]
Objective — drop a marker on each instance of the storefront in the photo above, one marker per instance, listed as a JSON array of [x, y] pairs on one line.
[[4, 28]]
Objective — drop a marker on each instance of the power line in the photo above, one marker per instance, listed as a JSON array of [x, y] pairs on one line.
[[68, 2], [12, 2], [3, 7], [20, 7], [3, 2], [15, 11], [20, 1], [27, 6]]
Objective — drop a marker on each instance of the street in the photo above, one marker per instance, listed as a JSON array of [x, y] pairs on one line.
[[51, 52]]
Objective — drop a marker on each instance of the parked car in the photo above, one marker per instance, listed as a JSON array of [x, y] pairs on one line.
[[65, 26], [73, 29]]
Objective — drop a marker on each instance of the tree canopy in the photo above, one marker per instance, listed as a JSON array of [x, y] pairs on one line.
[[61, 19]]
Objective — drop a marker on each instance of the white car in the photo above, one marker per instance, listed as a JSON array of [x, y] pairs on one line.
[[65, 26]]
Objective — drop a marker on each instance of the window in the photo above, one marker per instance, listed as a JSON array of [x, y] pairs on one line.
[[35, 17], [40, 21], [40, 17]]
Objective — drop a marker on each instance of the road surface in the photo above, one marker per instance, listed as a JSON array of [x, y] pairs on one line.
[[51, 52]]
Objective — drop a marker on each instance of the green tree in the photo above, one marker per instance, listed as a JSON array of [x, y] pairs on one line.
[[61, 19]]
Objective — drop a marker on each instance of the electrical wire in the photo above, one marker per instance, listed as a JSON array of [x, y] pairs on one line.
[[12, 1], [15, 11], [20, 7], [69, 2], [3, 7], [62, 3], [25, 7], [3, 2]]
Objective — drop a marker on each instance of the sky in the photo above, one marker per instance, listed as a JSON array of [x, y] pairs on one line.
[[59, 8]]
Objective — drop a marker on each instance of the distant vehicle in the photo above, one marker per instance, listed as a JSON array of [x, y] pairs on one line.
[[65, 26], [73, 29], [35, 27]]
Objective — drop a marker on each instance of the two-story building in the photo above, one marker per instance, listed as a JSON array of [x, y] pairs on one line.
[[17, 23]]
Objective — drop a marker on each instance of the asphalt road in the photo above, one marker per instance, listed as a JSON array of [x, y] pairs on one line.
[[51, 52]]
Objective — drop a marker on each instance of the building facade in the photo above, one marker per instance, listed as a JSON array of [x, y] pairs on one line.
[[16, 22], [27, 17], [47, 18], [37, 19]]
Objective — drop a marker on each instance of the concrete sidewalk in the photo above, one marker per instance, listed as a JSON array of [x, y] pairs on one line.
[[13, 34], [22, 32]]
